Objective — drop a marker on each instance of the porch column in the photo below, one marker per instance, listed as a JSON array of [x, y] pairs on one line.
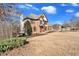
[[21, 24]]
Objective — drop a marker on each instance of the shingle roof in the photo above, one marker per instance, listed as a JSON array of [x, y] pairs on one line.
[[33, 17]]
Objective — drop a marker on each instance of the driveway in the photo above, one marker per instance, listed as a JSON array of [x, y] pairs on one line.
[[51, 44]]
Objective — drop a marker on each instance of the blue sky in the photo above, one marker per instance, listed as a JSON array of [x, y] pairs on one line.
[[55, 12]]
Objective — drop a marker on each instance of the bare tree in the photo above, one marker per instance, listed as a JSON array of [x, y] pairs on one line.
[[73, 23], [9, 19]]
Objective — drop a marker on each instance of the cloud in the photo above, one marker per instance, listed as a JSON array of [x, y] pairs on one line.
[[31, 6], [77, 14], [22, 6], [75, 4], [27, 6], [49, 9], [58, 22], [63, 4], [35, 8], [69, 10], [72, 4]]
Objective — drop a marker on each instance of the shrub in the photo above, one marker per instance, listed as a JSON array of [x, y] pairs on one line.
[[11, 43]]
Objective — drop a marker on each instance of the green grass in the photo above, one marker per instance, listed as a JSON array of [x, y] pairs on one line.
[[11, 43]]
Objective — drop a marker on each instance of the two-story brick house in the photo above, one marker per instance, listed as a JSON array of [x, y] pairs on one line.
[[39, 23]]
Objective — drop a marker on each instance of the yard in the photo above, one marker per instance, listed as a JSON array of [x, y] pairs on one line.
[[51, 44]]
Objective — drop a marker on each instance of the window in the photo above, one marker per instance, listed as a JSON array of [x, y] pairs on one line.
[[40, 22], [34, 29]]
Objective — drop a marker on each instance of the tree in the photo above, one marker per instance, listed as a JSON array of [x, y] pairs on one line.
[[10, 14], [28, 28], [73, 23]]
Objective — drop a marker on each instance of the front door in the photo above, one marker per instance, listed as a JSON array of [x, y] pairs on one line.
[[41, 29]]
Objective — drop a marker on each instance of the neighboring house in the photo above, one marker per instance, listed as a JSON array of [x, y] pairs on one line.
[[70, 28], [39, 23], [66, 29], [50, 28], [57, 27]]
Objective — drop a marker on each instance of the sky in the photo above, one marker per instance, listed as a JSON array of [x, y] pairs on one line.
[[55, 12]]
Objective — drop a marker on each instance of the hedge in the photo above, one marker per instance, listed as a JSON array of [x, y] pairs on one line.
[[11, 43]]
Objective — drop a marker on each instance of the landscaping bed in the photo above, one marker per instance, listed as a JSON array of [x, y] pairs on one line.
[[9, 44]]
